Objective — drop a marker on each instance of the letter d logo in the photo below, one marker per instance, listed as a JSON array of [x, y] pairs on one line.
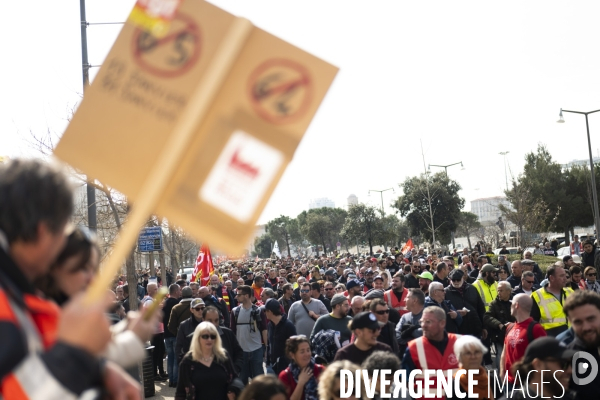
[[583, 368]]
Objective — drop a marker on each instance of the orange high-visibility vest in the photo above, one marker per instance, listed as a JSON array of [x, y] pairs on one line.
[[392, 300], [426, 357]]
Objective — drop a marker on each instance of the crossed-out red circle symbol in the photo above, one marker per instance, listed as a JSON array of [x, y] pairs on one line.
[[280, 90], [170, 56]]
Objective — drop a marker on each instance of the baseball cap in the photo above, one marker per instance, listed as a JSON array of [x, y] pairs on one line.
[[363, 320], [488, 268], [369, 271], [196, 302], [547, 347], [337, 299], [576, 259], [352, 283], [329, 272], [373, 259], [378, 277], [374, 294], [272, 305], [456, 274], [527, 261], [426, 275]]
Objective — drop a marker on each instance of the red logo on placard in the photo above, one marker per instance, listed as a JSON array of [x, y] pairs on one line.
[[239, 165]]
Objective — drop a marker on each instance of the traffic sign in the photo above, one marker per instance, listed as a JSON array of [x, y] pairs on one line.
[[150, 239]]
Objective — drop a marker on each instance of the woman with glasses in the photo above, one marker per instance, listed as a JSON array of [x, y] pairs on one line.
[[469, 351], [329, 383], [302, 375], [340, 288], [589, 281], [206, 371]]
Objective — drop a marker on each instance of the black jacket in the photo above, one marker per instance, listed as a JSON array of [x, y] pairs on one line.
[[388, 336], [473, 321], [590, 259], [325, 301], [168, 306], [446, 305], [499, 313], [231, 344], [184, 337], [278, 335], [185, 372]]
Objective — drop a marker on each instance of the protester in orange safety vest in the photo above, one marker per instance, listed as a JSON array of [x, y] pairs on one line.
[[36, 202], [432, 351], [396, 296]]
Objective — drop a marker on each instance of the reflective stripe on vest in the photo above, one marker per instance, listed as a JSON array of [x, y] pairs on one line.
[[551, 310], [31, 379], [426, 352], [484, 293], [225, 295], [393, 302]]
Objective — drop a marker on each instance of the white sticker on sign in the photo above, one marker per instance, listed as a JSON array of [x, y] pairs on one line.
[[242, 173]]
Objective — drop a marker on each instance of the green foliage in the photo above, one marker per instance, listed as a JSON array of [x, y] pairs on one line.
[[317, 229], [547, 198], [363, 223], [286, 231], [445, 206], [329, 234], [262, 246], [468, 223]]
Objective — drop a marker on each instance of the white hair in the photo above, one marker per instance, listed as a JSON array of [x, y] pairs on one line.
[[467, 341], [152, 284], [504, 284], [435, 286]]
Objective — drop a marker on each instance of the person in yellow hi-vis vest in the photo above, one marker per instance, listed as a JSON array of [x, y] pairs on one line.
[[548, 301], [486, 285]]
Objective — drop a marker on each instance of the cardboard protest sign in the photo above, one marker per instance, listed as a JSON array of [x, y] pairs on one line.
[[197, 125]]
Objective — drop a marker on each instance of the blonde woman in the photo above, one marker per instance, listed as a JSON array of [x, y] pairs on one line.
[[206, 370], [329, 383]]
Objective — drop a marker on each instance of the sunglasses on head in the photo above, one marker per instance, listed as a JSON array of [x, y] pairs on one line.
[[206, 337]]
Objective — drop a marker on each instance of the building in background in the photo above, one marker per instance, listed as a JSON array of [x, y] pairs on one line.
[[487, 209], [581, 163], [320, 203], [352, 200]]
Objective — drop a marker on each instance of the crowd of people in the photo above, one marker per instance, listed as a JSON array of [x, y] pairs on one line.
[[279, 328]]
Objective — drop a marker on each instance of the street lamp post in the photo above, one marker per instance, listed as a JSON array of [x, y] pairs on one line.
[[594, 194], [381, 193], [504, 153], [446, 170], [445, 166]]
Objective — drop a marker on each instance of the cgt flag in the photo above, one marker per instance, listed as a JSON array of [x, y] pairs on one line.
[[204, 266], [407, 247]]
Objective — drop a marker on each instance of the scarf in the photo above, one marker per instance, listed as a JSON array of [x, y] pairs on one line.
[[310, 389], [481, 390]]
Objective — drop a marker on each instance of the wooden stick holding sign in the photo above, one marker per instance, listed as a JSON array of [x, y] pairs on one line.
[[153, 188]]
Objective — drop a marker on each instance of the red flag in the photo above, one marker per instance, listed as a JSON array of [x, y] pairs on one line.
[[204, 266], [407, 247]]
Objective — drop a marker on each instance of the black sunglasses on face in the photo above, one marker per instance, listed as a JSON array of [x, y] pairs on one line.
[[211, 337], [382, 312]]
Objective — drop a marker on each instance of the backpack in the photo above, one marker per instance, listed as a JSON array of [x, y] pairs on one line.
[[254, 316], [530, 337]]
